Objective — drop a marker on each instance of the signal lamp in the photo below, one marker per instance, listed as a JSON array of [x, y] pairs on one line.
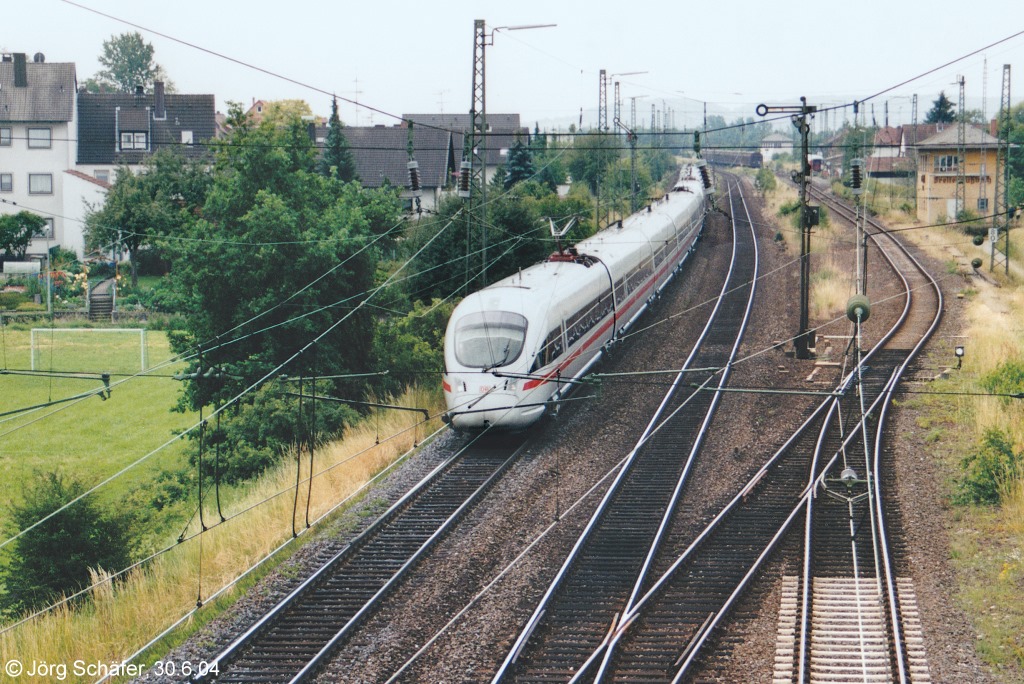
[[465, 173]]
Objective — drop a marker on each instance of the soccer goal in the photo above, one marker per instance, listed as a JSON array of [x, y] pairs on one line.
[[88, 350]]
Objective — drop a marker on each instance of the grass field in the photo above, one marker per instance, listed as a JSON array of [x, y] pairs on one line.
[[93, 439], [88, 439]]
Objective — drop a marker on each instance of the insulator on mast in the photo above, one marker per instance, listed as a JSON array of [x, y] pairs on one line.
[[856, 176], [705, 175], [465, 175], [414, 177]]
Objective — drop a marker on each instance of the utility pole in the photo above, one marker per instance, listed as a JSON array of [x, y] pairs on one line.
[[602, 127], [961, 155], [618, 103], [804, 340], [478, 135], [631, 137], [1001, 213], [602, 102], [474, 164], [983, 173]]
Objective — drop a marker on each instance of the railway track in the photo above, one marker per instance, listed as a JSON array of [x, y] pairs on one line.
[[601, 576], [857, 619], [678, 630], [306, 629], [299, 634]]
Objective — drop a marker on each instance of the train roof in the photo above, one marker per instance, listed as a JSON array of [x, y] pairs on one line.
[[607, 245]]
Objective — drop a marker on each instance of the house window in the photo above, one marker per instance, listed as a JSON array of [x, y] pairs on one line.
[[983, 204], [40, 184], [186, 137], [39, 138], [945, 163], [5, 137], [47, 230], [134, 141], [6, 182], [102, 175]]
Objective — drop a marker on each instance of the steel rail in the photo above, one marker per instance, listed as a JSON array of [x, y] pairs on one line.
[[655, 424], [629, 618], [328, 648], [878, 527], [670, 510], [229, 655]]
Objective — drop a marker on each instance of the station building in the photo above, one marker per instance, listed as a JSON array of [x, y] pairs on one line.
[[938, 168]]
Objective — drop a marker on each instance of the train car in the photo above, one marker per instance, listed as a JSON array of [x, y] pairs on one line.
[[515, 348], [747, 158]]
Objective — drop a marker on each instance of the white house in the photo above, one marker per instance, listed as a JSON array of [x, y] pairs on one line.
[[774, 144], [37, 134]]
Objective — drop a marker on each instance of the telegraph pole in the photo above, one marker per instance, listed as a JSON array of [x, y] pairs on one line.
[[478, 135], [804, 340], [1001, 213], [961, 156]]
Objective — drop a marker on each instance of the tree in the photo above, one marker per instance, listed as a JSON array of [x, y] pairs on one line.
[[337, 158], [283, 111], [127, 62], [519, 166], [1015, 188], [281, 254], [942, 111], [591, 156], [16, 232], [141, 208], [55, 557], [765, 180]]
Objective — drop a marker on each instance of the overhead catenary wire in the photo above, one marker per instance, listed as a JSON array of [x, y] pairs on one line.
[[72, 3], [259, 382], [190, 429]]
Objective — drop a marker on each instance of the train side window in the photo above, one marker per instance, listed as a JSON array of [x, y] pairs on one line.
[[553, 346]]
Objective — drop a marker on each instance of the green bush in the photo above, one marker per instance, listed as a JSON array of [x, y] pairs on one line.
[[412, 347], [10, 300], [1007, 378], [54, 558], [989, 469], [255, 436], [765, 180]]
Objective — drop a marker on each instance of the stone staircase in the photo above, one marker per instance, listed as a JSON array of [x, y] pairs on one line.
[[101, 301]]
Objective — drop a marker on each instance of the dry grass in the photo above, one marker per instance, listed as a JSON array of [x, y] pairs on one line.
[[121, 618], [988, 547], [832, 283], [832, 279]]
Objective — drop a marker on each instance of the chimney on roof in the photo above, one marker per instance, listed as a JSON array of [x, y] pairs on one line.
[[993, 128], [140, 92], [159, 105], [20, 70]]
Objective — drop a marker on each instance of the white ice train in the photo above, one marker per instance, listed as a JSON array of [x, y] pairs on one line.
[[512, 348]]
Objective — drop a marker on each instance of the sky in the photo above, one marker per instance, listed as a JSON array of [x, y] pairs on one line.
[[416, 57]]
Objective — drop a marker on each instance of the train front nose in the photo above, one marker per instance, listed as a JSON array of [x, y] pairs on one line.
[[477, 402], [483, 404]]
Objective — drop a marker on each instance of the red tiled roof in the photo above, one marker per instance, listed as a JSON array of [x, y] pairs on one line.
[[86, 177]]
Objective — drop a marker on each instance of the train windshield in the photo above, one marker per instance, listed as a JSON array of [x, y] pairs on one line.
[[489, 339]]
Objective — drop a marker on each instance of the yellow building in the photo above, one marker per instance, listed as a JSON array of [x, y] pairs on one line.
[[938, 168]]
